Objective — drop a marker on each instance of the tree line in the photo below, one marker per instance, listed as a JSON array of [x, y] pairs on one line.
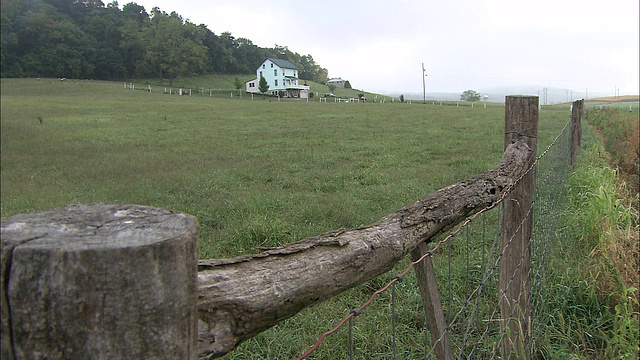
[[88, 39]]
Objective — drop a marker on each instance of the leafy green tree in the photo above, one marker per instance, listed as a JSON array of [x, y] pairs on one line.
[[136, 13], [470, 95], [11, 11], [309, 70], [104, 24], [331, 88], [86, 38], [133, 48], [174, 47], [347, 85], [262, 85], [50, 47]]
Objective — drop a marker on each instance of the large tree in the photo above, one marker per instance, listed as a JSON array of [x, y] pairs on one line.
[[54, 48], [86, 38], [174, 47], [103, 25], [470, 95]]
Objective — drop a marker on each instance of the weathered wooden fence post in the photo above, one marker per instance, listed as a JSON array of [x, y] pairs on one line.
[[99, 282], [521, 123], [432, 304], [575, 135]]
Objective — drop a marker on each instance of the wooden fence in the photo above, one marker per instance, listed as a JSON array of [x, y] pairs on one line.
[[123, 281]]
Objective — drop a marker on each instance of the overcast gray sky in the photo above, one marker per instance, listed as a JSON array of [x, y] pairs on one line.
[[379, 45]]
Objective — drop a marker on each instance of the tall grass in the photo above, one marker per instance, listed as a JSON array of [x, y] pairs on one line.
[[621, 137], [593, 296]]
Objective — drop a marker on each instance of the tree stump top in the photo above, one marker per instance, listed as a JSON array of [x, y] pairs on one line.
[[94, 226], [99, 281]]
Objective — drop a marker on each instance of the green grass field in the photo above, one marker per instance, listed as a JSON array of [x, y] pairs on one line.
[[256, 173]]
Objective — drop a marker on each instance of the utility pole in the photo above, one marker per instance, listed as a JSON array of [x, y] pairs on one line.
[[424, 86]]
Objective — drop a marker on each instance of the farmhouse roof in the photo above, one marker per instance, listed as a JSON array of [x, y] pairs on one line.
[[283, 63]]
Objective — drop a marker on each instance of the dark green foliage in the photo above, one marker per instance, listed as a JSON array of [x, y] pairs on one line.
[[88, 39], [347, 85], [470, 95], [262, 85]]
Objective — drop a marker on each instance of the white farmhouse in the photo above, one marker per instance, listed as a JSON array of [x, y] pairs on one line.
[[281, 76]]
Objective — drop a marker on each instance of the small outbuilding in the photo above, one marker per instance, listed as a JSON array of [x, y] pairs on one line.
[[337, 82]]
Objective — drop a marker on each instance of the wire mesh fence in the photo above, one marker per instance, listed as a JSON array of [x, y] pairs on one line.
[[466, 263]]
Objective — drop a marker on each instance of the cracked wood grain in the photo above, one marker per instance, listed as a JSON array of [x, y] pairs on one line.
[[241, 297]]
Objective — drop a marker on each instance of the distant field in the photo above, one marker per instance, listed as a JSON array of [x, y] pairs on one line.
[[624, 98], [255, 173]]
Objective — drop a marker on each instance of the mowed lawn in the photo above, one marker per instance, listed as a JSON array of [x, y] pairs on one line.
[[256, 173]]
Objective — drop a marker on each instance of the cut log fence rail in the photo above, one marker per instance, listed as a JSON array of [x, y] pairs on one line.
[[59, 301]]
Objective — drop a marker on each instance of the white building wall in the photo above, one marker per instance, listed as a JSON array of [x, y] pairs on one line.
[[273, 74], [252, 85]]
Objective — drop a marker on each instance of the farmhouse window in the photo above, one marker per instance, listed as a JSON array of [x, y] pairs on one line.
[[275, 72], [263, 66], [271, 64], [276, 82], [260, 73]]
